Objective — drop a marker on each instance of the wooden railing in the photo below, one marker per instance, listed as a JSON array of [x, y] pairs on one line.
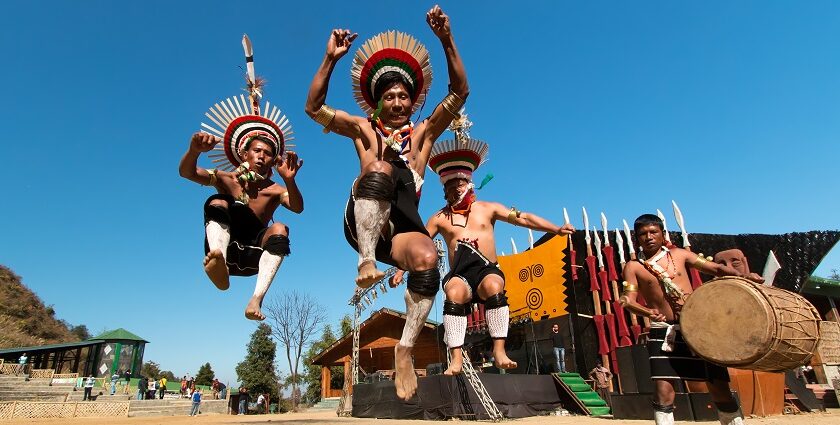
[[11, 369], [36, 409], [41, 373]]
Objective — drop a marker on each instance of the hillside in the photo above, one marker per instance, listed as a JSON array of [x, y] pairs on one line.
[[24, 319]]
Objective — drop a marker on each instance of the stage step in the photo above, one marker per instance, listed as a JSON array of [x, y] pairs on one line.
[[587, 401]]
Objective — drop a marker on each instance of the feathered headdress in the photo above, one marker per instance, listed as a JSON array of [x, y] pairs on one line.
[[239, 121], [460, 157], [390, 51]]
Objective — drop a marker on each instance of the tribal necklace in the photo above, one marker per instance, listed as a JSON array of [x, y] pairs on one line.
[[395, 138], [652, 265]]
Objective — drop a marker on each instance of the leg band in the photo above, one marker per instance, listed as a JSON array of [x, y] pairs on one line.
[[496, 301], [426, 282], [277, 245], [662, 408], [375, 185], [455, 309], [215, 213]]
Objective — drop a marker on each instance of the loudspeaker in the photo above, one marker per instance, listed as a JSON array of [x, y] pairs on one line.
[[434, 369], [626, 370], [641, 368]]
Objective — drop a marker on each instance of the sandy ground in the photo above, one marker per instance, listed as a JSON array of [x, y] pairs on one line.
[[329, 417]]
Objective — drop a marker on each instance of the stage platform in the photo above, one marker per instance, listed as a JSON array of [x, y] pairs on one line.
[[442, 397]]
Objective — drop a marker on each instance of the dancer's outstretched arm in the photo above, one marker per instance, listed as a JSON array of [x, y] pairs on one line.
[[331, 119]]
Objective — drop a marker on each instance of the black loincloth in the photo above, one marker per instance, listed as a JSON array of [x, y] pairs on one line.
[[404, 217], [681, 363], [471, 266], [246, 233]]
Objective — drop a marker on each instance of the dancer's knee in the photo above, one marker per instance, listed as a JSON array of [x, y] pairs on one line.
[[498, 300], [424, 282], [377, 185], [423, 257], [277, 229], [277, 245], [217, 210]]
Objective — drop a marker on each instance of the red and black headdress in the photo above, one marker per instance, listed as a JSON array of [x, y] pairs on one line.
[[387, 52]]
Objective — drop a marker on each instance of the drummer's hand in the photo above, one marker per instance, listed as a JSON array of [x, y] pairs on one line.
[[656, 316], [755, 278]]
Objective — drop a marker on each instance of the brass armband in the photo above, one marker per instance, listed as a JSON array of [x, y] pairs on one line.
[[452, 103], [699, 261], [629, 287], [284, 195], [513, 214], [324, 117], [213, 178]]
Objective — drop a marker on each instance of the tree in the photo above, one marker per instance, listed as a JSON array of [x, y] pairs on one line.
[[150, 369], [81, 332], [205, 375], [257, 372], [834, 275], [294, 319]]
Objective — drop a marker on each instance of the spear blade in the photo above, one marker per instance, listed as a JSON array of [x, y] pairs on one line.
[[598, 250], [566, 216], [664, 225], [620, 242], [606, 230], [681, 224], [630, 248], [586, 226]]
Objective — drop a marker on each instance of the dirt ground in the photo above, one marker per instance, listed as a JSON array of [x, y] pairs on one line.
[[328, 417]]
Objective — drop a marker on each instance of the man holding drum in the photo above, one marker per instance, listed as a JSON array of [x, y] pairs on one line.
[[661, 274]]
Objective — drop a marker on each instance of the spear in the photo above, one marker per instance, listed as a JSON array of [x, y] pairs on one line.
[[603, 346], [634, 321], [632, 251], [610, 318], [572, 253], [696, 281], [609, 257], [664, 227]]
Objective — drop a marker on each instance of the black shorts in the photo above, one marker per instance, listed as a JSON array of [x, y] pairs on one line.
[[404, 216], [471, 266], [681, 363], [246, 233]]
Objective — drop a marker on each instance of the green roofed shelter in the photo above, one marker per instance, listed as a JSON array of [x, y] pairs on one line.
[[112, 351]]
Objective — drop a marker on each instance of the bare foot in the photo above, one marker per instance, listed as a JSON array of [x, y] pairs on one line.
[[368, 274], [252, 310], [216, 269], [502, 361], [456, 362], [404, 378]]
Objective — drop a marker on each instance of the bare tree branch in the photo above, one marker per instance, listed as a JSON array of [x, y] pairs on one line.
[[294, 319]]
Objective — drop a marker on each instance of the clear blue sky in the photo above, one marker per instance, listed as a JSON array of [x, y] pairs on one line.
[[731, 108]]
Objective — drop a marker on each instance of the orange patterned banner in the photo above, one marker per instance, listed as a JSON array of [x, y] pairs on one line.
[[535, 280]]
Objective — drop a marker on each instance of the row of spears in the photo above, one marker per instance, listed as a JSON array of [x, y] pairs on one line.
[[611, 320]]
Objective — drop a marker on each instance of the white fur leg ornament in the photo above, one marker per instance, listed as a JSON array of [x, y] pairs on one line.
[[269, 264], [218, 237]]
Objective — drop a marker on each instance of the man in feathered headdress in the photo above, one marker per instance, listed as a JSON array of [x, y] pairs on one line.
[[238, 240], [391, 76], [467, 227]]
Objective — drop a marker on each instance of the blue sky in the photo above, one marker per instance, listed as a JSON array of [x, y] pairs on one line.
[[728, 107]]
